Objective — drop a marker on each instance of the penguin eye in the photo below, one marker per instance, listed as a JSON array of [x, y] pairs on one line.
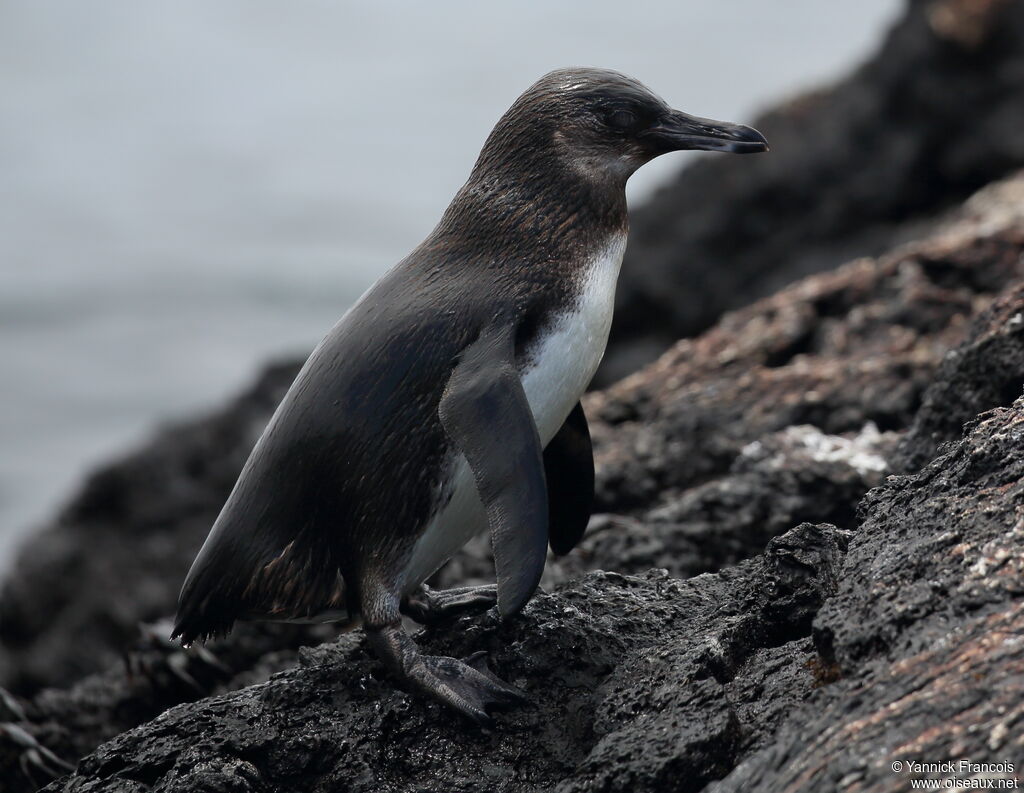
[[621, 120]]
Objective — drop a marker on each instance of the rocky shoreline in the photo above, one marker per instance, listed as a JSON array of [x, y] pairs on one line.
[[853, 618], [808, 562]]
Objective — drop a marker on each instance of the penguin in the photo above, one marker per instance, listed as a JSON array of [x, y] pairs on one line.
[[447, 399]]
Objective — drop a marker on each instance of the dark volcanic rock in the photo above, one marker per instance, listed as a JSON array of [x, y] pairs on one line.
[[155, 675], [631, 681], [925, 630], [985, 372], [855, 168]]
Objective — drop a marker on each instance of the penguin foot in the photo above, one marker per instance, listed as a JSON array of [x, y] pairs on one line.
[[430, 606], [467, 686]]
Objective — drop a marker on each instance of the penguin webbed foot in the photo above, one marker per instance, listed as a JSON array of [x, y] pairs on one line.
[[431, 606], [467, 686]]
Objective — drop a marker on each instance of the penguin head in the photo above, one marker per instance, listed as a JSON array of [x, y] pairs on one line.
[[606, 125]]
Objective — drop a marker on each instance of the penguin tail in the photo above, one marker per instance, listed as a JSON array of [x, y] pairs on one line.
[[191, 630], [206, 608], [296, 584]]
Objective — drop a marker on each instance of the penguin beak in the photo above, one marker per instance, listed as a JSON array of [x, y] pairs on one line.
[[677, 131]]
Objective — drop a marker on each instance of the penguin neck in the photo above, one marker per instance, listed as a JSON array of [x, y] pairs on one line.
[[536, 204]]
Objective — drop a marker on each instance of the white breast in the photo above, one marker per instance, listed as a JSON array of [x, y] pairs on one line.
[[566, 357], [560, 368]]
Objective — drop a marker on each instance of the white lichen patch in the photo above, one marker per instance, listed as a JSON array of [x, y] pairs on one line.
[[999, 563], [863, 452]]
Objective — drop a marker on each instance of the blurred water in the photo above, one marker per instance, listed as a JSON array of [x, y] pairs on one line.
[[188, 188]]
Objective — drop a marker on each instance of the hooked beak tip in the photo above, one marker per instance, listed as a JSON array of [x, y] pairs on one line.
[[683, 131], [737, 139]]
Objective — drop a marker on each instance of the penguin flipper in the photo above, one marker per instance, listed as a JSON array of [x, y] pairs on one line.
[[569, 469], [485, 413]]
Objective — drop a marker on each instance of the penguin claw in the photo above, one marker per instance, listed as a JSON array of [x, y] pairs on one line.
[[430, 606], [467, 686], [478, 661]]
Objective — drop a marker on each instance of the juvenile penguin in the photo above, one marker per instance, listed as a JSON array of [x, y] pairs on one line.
[[447, 399]]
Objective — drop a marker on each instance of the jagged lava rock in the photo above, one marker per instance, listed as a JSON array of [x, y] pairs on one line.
[[630, 678], [925, 631], [988, 369], [854, 169]]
